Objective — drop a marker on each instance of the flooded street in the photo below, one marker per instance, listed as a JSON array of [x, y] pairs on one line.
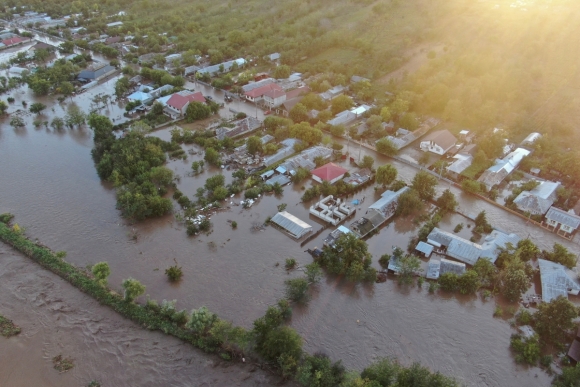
[[48, 180]]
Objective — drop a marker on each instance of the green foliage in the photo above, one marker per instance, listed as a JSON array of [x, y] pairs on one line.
[[282, 72], [386, 174], [234, 224], [486, 271], [319, 371], [101, 271], [424, 183], [384, 260], [201, 320], [514, 281], [458, 227], [527, 250], [447, 201], [408, 266], [527, 349], [341, 103], [367, 162], [554, 319], [448, 281], [133, 289], [299, 113], [37, 107], [570, 377], [174, 273], [408, 203], [296, 289], [468, 282], [471, 186], [481, 223], [197, 111], [290, 263], [386, 147], [254, 145], [212, 157], [8, 328], [349, 257], [524, 317], [313, 272], [561, 255]]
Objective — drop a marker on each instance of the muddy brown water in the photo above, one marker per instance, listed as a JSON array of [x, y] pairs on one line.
[[47, 178]]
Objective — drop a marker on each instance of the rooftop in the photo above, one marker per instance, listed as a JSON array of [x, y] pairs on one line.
[[443, 138], [425, 248], [555, 280], [178, 100], [329, 172], [539, 200], [296, 227], [563, 217]]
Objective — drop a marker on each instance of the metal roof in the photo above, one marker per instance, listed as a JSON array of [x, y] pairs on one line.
[[433, 269], [425, 248], [555, 280], [280, 179], [295, 227], [563, 217], [461, 163], [496, 173], [448, 266]]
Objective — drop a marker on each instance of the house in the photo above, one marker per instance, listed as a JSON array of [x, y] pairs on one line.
[[469, 252], [502, 168], [286, 149], [357, 79], [112, 40], [438, 142], [562, 222], [556, 281], [243, 126], [436, 268], [140, 96], [539, 200], [275, 94], [273, 57], [96, 72], [531, 138], [424, 248], [306, 158], [332, 93], [257, 84], [15, 41], [343, 118], [42, 46], [114, 24], [357, 178], [331, 239], [294, 226], [225, 67], [177, 104], [329, 172], [360, 110], [461, 163]]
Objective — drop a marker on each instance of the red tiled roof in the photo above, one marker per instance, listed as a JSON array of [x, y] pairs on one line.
[[260, 91], [297, 92], [12, 41], [178, 101], [329, 171], [275, 93]]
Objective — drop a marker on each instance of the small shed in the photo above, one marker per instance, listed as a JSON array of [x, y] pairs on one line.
[[424, 248], [280, 179], [294, 226], [281, 170], [329, 172], [433, 269]]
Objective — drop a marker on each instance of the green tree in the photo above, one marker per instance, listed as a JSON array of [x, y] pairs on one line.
[[468, 282], [296, 289], [197, 111], [554, 319], [299, 113], [486, 271], [448, 281], [514, 280], [215, 181], [386, 147], [16, 122], [254, 145], [527, 349], [570, 377], [349, 257], [319, 371], [3, 108], [201, 320], [101, 271], [313, 272], [281, 341], [471, 186], [341, 103], [561, 255], [337, 130], [121, 86], [424, 183], [384, 371], [212, 156], [408, 202], [282, 72], [447, 201], [527, 250], [386, 174], [133, 289], [37, 107], [408, 266], [481, 223], [367, 162], [386, 114], [66, 88]]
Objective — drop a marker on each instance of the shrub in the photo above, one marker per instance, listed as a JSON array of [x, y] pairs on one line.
[[458, 228], [433, 286], [234, 224], [174, 273], [527, 349], [290, 263], [133, 289], [101, 271], [384, 260], [201, 320], [296, 289], [313, 272]]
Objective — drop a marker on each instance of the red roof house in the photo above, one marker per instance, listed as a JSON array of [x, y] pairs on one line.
[[178, 103], [329, 172], [259, 92], [13, 41]]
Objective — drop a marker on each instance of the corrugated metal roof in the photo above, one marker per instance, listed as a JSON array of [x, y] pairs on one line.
[[563, 217], [425, 248], [296, 227], [460, 164], [555, 280], [280, 179], [448, 266], [433, 269]]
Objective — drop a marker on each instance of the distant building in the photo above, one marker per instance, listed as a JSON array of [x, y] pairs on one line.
[[539, 200], [294, 226], [114, 24], [96, 72], [562, 222], [329, 172], [469, 252], [502, 168], [224, 67], [273, 57], [531, 138], [438, 142], [556, 281], [332, 93], [177, 104]]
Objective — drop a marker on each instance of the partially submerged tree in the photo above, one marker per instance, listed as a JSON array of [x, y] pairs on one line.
[[101, 271], [133, 289]]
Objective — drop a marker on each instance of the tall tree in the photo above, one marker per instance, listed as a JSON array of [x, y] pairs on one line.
[[385, 174], [424, 183]]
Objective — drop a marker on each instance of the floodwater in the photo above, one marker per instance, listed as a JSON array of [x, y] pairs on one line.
[[57, 319], [48, 180]]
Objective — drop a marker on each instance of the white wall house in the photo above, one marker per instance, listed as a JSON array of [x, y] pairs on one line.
[[439, 142]]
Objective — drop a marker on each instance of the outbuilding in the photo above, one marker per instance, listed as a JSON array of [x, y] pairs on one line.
[[329, 172], [294, 226]]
